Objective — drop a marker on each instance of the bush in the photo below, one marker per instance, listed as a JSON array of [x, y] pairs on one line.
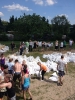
[[3, 37]]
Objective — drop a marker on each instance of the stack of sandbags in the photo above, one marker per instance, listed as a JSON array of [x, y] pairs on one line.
[[51, 63], [3, 48]]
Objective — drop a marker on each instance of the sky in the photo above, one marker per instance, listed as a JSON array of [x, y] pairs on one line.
[[46, 8]]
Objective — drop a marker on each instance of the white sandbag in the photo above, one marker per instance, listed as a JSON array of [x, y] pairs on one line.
[[55, 74], [55, 79]]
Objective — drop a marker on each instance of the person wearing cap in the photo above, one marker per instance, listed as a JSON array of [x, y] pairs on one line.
[[43, 69], [61, 67]]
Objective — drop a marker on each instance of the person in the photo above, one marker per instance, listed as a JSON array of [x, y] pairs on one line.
[[61, 67], [30, 45], [26, 84], [21, 49], [2, 61], [23, 63], [2, 90], [35, 45], [56, 45], [12, 45], [43, 68], [10, 65], [61, 45], [9, 87], [64, 44], [17, 71], [71, 43], [24, 66]]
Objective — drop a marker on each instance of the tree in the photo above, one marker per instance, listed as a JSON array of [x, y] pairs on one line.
[[60, 26], [1, 26]]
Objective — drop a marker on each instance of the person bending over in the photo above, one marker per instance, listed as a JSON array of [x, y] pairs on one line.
[[43, 68]]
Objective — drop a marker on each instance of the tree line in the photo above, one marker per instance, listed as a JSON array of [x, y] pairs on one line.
[[35, 27]]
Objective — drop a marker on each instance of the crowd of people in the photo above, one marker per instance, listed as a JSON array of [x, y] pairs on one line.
[[62, 45], [30, 45], [11, 71]]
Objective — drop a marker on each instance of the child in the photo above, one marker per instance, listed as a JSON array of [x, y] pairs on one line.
[[9, 87], [24, 66], [26, 84]]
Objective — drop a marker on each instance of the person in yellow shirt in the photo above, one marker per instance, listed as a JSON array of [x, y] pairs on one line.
[[43, 69]]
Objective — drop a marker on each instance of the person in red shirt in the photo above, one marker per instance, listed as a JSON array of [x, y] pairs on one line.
[[43, 68]]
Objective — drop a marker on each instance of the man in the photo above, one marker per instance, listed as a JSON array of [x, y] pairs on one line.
[[43, 68], [61, 66], [17, 71], [12, 46]]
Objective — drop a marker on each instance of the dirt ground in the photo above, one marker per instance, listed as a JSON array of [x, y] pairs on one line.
[[47, 90]]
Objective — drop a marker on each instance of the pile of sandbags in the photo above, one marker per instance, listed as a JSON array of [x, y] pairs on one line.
[[3, 48], [32, 63], [51, 62], [69, 56]]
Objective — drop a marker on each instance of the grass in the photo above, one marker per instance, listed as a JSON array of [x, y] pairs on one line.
[[71, 67]]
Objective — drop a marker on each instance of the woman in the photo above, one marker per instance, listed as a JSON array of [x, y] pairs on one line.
[[2, 90], [2, 61], [43, 68], [26, 84], [9, 87]]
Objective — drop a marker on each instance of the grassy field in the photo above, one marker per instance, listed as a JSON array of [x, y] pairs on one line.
[[35, 52], [38, 90]]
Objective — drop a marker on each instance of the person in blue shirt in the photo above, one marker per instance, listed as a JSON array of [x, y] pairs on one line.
[[10, 65], [26, 83]]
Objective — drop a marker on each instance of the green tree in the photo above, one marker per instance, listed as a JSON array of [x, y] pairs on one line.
[[60, 26], [1, 26]]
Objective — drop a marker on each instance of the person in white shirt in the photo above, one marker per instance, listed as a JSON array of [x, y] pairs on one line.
[[70, 43], [61, 67], [61, 45]]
